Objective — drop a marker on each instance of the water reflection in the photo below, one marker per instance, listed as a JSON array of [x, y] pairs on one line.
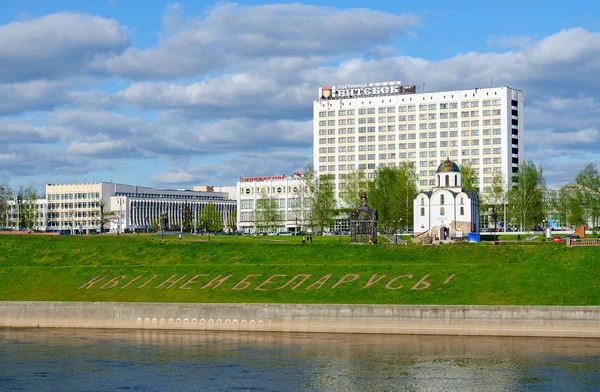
[[52, 359]]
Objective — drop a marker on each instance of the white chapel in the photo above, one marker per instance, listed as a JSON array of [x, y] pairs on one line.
[[446, 211]]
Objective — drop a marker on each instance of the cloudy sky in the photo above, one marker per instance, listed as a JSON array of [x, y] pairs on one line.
[[180, 94]]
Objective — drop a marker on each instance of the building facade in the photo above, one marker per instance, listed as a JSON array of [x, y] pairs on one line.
[[36, 210], [291, 194], [367, 126], [76, 207], [446, 211]]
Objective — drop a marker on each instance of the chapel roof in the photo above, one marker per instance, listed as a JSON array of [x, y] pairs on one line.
[[448, 167]]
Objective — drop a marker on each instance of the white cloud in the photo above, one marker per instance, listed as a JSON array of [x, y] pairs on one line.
[[14, 132], [226, 170], [231, 34], [102, 146], [56, 45], [32, 96], [239, 94]]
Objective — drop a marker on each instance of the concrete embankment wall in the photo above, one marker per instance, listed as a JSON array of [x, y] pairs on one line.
[[554, 321]]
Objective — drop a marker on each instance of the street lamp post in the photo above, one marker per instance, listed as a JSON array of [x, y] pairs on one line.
[[18, 209], [120, 217], [504, 200]]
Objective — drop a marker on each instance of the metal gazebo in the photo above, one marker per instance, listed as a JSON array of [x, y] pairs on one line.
[[363, 223]]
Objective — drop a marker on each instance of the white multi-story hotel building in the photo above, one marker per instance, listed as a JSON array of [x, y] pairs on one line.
[[290, 192], [367, 126]]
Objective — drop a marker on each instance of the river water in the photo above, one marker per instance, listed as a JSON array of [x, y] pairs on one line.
[[108, 360]]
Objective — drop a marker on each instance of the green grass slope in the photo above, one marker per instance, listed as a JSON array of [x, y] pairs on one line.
[[282, 270]]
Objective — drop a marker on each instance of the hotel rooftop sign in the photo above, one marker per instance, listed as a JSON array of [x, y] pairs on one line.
[[365, 90]]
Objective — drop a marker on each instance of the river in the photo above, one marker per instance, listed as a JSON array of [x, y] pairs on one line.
[[136, 360]]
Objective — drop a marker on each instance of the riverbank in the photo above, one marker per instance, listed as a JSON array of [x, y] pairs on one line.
[[539, 321], [232, 269]]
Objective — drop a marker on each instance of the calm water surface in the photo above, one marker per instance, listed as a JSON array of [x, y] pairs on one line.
[[101, 360]]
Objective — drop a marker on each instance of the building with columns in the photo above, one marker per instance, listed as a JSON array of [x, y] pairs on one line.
[[75, 208], [446, 211]]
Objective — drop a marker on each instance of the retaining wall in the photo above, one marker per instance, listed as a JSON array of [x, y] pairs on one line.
[[551, 321]]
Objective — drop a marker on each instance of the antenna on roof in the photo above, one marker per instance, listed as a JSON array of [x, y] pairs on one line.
[[423, 90], [491, 82]]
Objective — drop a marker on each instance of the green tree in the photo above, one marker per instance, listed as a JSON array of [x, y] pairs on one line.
[[154, 224], [493, 203], [5, 195], [267, 215], [210, 219], [232, 220], [470, 180], [105, 215], [579, 202], [588, 193], [187, 217], [27, 207], [392, 194], [322, 205], [352, 187], [526, 197], [567, 204]]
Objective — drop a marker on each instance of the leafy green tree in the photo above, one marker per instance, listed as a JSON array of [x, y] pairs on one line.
[[322, 205], [352, 187], [588, 193], [567, 204], [267, 214], [154, 224], [579, 202], [5, 195], [27, 207], [105, 215], [232, 220], [470, 180], [526, 197], [187, 217], [210, 219], [392, 193], [493, 203]]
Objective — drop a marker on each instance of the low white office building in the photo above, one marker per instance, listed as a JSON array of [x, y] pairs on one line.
[[291, 195]]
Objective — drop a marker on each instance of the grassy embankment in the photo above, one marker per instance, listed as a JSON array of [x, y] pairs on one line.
[[132, 269]]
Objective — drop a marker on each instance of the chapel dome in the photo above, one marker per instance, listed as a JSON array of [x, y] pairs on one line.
[[448, 167]]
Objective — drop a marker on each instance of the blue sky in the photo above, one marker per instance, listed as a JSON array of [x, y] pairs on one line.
[[180, 94]]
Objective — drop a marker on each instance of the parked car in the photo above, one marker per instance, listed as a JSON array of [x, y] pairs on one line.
[[285, 233], [573, 237]]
